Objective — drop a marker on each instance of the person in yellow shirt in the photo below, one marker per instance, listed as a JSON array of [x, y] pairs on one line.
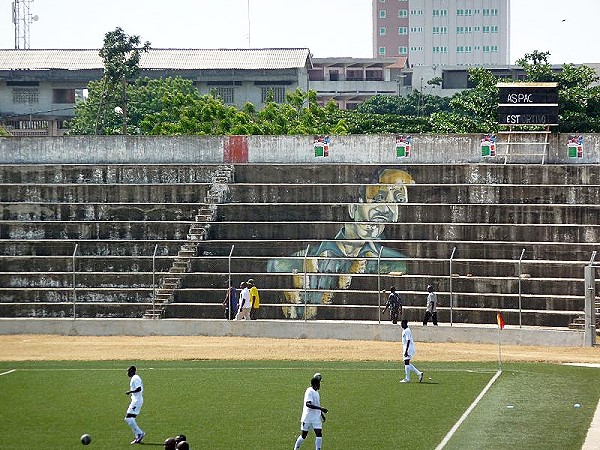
[[254, 299]]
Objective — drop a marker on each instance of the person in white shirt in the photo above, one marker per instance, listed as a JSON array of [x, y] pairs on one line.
[[408, 349], [431, 310], [136, 390], [244, 303], [313, 414]]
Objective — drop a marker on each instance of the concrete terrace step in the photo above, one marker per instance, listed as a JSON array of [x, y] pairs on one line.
[[462, 193], [421, 173], [108, 173]]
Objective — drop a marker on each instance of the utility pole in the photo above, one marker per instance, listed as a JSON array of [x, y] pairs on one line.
[[124, 131]]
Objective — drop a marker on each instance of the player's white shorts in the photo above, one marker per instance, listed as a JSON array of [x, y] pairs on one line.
[[135, 407], [307, 426]]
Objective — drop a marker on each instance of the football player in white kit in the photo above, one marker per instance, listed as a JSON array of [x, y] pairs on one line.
[[136, 389], [408, 348], [313, 415]]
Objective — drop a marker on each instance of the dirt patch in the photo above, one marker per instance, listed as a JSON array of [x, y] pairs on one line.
[[52, 347]]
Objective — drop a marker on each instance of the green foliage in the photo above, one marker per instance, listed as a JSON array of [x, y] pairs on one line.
[[121, 55], [578, 93], [173, 106], [472, 110], [107, 107], [206, 401], [363, 123], [414, 104]]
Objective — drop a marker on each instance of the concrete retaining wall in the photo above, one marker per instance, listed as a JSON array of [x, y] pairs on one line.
[[378, 149], [281, 329]]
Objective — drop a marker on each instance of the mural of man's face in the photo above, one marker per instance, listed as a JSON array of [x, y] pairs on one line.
[[381, 204]]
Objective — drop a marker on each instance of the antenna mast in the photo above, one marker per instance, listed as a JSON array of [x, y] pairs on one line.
[[22, 18]]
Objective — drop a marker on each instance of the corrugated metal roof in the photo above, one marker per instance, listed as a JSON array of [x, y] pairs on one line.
[[171, 58]]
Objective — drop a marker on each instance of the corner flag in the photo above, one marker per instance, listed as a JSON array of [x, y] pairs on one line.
[[500, 321]]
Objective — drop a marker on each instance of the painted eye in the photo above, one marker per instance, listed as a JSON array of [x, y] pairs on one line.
[[379, 197], [400, 198]]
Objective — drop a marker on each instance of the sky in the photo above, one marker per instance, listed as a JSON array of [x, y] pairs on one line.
[[341, 28]]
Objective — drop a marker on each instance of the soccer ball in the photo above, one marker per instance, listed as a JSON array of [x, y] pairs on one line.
[[86, 439]]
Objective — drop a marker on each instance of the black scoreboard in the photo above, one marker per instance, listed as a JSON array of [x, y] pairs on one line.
[[528, 104]]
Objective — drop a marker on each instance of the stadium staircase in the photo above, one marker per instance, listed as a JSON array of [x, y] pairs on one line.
[[217, 193]]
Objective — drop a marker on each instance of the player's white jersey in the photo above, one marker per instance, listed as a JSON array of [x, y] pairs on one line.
[[406, 338], [309, 414], [134, 383]]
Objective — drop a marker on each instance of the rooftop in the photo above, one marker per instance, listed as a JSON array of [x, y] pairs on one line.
[[167, 58]]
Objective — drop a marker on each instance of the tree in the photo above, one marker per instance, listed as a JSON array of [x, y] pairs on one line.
[[578, 94], [121, 58], [473, 110], [121, 55]]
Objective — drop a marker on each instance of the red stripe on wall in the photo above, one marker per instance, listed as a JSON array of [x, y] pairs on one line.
[[235, 149]]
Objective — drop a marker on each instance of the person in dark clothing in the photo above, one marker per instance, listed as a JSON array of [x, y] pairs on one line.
[[394, 303]]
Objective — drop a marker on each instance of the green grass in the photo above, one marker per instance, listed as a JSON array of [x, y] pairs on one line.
[[257, 405]]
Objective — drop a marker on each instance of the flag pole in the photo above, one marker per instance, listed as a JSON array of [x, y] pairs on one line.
[[500, 327], [499, 352]]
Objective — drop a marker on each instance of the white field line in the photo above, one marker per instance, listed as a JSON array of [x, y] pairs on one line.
[[6, 373], [399, 369], [467, 412], [593, 435]]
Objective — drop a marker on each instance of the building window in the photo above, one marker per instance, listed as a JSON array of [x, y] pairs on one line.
[[26, 95], [374, 75], [316, 75], [382, 13], [277, 92], [402, 30], [440, 30], [416, 12], [416, 29], [354, 75], [403, 13], [490, 12], [225, 94], [63, 95], [382, 31], [440, 13], [381, 51], [403, 50], [490, 49]]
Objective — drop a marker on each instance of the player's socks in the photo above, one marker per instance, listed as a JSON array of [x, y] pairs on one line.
[[299, 442], [407, 372], [415, 370], [133, 425], [318, 443]]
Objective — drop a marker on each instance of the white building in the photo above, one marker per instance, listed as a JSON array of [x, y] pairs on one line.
[[443, 32]]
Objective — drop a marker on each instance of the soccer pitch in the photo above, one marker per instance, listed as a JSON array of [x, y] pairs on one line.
[[257, 404]]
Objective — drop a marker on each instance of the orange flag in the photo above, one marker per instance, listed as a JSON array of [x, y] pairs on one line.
[[500, 321]]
